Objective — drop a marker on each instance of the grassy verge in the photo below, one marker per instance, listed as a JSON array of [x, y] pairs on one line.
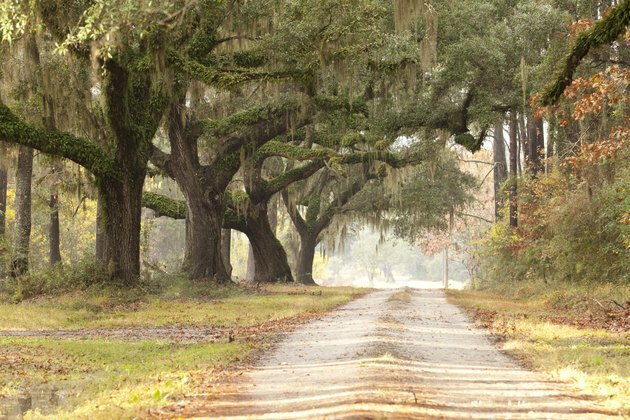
[[573, 334], [100, 378], [223, 307]]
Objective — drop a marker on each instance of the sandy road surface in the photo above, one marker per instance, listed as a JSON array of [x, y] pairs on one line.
[[396, 354]]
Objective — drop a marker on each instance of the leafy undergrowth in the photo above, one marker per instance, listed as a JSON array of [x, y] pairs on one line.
[[100, 377], [576, 335]]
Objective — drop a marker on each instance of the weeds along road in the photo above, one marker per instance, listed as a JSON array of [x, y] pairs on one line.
[[396, 354]]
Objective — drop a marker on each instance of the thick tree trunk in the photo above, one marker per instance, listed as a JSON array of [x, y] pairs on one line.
[[500, 167], [304, 270], [270, 258], [226, 247], [100, 229], [53, 204], [513, 171], [122, 207], [22, 232], [203, 190], [204, 219]]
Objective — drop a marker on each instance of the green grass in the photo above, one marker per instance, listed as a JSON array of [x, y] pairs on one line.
[[99, 378], [102, 378], [536, 328], [234, 307]]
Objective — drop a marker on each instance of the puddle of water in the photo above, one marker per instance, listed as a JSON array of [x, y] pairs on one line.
[[44, 400]]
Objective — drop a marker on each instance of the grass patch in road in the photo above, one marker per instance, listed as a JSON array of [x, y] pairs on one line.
[[100, 378], [551, 337], [402, 296]]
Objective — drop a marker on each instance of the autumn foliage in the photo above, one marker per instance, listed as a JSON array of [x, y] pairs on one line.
[[574, 219]]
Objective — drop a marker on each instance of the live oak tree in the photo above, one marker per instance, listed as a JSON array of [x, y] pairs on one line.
[[204, 185], [318, 215], [134, 55], [357, 75], [235, 138]]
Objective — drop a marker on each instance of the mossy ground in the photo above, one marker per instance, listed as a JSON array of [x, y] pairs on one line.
[[558, 331], [101, 378]]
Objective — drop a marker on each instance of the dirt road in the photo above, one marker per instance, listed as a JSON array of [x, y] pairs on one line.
[[396, 354]]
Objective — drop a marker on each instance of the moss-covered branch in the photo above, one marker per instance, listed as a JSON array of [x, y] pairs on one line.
[[337, 103], [289, 177], [163, 205], [604, 32], [176, 209], [244, 119], [225, 78], [79, 150], [269, 126]]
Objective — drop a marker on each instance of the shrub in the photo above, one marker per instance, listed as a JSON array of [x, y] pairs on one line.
[[54, 280]]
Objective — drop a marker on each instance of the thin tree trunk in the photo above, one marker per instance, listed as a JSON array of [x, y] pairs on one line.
[[535, 144], [226, 247], [573, 132], [53, 203], [539, 125], [22, 233], [513, 171], [500, 167], [521, 145], [528, 144], [3, 192], [552, 134], [4, 175]]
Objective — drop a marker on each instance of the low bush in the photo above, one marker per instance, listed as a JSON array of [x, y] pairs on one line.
[[54, 280], [573, 228]]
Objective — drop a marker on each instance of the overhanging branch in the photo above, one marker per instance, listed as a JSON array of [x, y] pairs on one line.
[[604, 32], [78, 150], [163, 205], [225, 78], [289, 177]]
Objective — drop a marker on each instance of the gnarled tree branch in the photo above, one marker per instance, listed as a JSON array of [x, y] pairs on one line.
[[604, 32], [78, 150]]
